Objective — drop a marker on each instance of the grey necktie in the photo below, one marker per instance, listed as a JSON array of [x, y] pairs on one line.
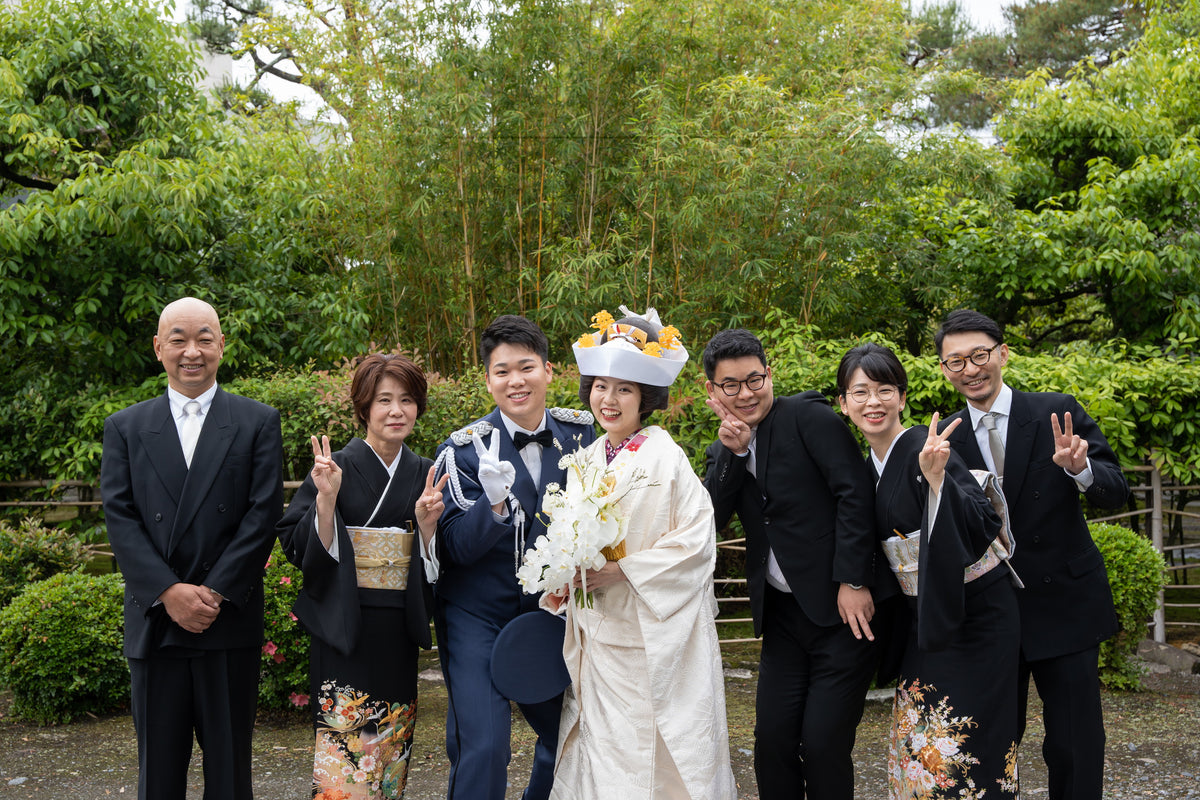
[[994, 443], [189, 431]]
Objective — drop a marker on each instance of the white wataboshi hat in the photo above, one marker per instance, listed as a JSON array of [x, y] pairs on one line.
[[622, 350]]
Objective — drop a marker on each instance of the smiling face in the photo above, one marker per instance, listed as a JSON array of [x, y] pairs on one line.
[[751, 406], [190, 345], [979, 383], [615, 405], [876, 417], [390, 417], [517, 379]]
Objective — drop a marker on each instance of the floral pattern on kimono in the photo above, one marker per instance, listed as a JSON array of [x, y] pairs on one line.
[[363, 747], [927, 755]]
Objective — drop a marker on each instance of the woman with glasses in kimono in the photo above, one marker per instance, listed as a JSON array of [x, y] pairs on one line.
[[954, 728]]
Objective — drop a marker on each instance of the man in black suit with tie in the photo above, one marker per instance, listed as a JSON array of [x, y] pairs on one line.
[[192, 487], [1047, 451], [791, 470]]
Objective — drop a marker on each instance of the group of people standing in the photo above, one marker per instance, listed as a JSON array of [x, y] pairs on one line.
[[954, 559]]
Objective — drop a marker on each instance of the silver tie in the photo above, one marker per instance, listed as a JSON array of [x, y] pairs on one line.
[[994, 443], [189, 431]]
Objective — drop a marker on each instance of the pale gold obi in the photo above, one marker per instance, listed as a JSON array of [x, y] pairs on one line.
[[902, 554], [382, 556]]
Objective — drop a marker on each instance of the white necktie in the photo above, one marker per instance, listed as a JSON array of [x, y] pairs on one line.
[[994, 443], [189, 431]]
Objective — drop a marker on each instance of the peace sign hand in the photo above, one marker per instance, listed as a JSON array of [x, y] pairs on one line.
[[733, 433], [1070, 450], [495, 476], [936, 453], [326, 474], [430, 505]]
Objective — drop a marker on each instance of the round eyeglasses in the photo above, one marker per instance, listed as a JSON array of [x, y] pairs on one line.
[[733, 387], [977, 357], [883, 393]]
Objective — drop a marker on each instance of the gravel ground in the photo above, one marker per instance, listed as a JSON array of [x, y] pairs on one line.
[[1153, 749]]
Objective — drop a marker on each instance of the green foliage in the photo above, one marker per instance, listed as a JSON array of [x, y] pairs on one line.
[[283, 680], [30, 552], [1136, 573], [136, 191], [1098, 234], [60, 648]]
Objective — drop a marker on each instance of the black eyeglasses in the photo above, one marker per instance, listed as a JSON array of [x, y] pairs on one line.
[[977, 357], [732, 387], [884, 393]]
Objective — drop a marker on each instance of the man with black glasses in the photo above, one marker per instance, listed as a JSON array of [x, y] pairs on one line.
[[1047, 451], [791, 470]]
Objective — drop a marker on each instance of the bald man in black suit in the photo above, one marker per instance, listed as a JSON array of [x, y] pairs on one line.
[[192, 488]]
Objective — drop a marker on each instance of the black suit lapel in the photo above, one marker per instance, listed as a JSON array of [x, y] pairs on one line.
[[160, 440], [1018, 447], [762, 447], [215, 438]]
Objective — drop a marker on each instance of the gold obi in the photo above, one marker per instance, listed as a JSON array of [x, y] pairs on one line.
[[902, 554], [381, 556]]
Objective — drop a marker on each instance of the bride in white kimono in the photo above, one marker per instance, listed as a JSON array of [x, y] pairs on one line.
[[644, 715]]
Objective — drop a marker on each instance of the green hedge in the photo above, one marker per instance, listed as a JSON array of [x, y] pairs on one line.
[[1147, 403], [1136, 573], [283, 677], [30, 552], [60, 648]]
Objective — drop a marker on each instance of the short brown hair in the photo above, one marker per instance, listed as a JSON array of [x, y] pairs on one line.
[[377, 366]]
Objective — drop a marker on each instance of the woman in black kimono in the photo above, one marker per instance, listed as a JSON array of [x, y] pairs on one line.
[[365, 629], [954, 726]]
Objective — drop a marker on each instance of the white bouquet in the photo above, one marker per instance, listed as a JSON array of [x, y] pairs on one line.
[[584, 528]]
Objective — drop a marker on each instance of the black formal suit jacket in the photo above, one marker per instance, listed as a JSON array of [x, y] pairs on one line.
[[213, 524], [1066, 605], [811, 500]]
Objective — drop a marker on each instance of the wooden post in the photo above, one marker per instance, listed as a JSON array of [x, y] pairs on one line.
[[1156, 538]]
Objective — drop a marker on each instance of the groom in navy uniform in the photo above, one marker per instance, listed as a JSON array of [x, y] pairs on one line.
[[192, 483], [499, 467], [1047, 451]]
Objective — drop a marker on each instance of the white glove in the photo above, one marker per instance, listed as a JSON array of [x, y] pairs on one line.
[[495, 476]]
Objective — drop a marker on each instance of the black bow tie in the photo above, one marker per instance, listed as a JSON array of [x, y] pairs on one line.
[[544, 438]]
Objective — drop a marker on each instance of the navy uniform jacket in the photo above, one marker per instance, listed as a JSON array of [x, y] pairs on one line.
[[1066, 605], [475, 550], [213, 524], [812, 500]]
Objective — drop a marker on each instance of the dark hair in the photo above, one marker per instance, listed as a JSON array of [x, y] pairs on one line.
[[877, 362], [965, 320], [373, 369], [733, 343], [514, 330], [654, 398]]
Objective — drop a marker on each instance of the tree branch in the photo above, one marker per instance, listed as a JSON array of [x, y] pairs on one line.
[[22, 180]]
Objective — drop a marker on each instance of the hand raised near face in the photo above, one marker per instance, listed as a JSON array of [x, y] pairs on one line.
[[430, 505], [936, 452], [326, 474], [733, 433], [495, 476], [1070, 450]]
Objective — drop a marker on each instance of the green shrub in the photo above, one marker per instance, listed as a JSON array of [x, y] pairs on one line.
[[283, 678], [60, 648], [30, 552], [1136, 573]]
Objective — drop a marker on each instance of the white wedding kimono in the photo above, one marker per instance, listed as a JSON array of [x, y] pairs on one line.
[[644, 716]]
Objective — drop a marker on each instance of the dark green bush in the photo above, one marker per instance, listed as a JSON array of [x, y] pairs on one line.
[[1136, 573], [30, 552], [60, 648], [283, 679]]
